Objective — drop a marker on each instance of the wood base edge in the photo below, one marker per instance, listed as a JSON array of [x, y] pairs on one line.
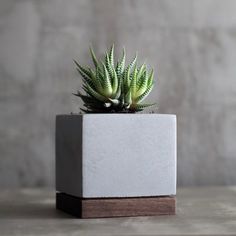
[[115, 207]]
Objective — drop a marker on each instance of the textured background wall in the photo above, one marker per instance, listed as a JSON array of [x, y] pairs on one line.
[[192, 43]]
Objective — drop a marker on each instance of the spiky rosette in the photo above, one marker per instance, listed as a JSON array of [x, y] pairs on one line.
[[114, 88]]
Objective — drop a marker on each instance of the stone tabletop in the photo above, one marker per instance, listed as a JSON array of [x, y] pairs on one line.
[[200, 211]]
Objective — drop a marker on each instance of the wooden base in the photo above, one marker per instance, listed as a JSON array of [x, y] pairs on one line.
[[115, 207]]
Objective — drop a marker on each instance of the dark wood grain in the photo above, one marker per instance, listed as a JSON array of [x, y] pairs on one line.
[[115, 207]]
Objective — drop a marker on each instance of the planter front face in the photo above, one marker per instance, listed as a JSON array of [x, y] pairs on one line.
[[116, 155]]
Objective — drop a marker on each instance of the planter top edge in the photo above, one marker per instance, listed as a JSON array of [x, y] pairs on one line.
[[116, 114]]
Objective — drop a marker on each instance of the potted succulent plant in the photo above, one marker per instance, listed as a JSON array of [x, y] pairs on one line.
[[109, 160]]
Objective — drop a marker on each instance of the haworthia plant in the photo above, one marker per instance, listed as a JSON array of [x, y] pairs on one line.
[[111, 87]]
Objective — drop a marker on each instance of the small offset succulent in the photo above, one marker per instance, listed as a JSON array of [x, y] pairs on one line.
[[111, 87]]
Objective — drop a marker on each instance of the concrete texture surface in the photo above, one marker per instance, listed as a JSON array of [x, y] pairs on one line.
[[190, 43], [200, 211], [116, 155]]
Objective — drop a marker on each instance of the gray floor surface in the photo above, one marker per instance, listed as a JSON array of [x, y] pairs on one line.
[[200, 211]]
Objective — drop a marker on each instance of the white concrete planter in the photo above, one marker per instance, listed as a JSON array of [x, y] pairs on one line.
[[116, 155]]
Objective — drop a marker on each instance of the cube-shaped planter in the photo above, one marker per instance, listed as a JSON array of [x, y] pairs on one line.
[[116, 164]]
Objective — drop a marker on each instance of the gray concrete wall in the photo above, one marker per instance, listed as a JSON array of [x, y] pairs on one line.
[[191, 43]]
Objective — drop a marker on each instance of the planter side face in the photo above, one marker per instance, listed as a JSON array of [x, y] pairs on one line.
[[124, 155], [129, 155], [69, 154]]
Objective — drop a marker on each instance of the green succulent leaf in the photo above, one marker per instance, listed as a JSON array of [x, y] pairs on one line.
[[150, 79], [127, 81], [134, 82], [128, 98], [141, 70], [111, 55], [98, 81], [109, 66], [121, 65], [131, 65], [142, 106], [82, 69], [106, 82], [94, 94], [143, 85], [95, 61], [115, 83], [118, 92], [145, 94]]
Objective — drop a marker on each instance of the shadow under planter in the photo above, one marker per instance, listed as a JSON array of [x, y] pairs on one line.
[[111, 165]]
